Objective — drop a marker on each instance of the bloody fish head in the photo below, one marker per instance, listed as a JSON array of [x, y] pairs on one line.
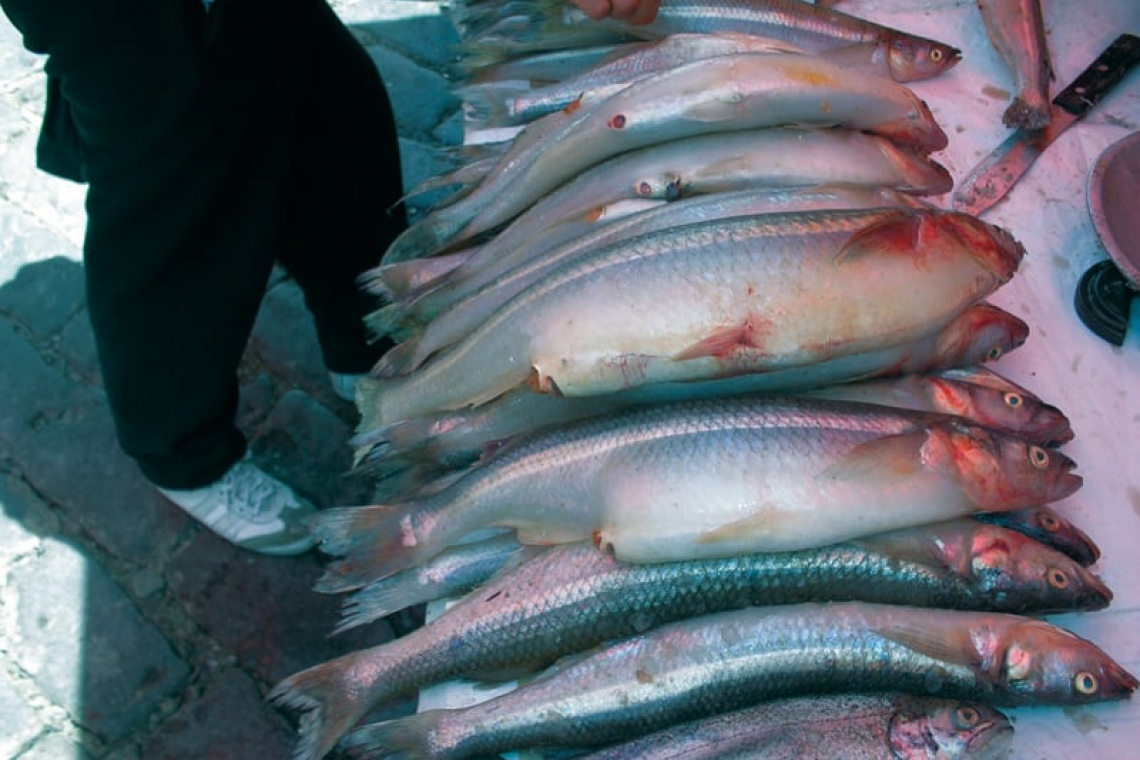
[[1042, 664], [999, 471], [981, 333], [994, 247]]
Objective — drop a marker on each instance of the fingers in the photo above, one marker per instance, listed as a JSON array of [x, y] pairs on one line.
[[630, 11]]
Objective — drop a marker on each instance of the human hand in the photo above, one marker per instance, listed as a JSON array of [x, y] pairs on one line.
[[635, 12]]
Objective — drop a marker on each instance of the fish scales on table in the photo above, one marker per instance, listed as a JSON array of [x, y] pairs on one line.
[[730, 660], [549, 24], [571, 598], [715, 299], [832, 727], [416, 451], [1017, 30], [721, 94], [710, 478]]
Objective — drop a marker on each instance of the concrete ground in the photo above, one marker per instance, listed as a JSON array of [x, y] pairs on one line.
[[126, 630]]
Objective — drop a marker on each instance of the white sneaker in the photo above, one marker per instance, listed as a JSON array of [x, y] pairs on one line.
[[251, 509], [345, 385]]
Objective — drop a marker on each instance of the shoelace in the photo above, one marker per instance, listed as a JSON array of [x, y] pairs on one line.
[[250, 496]]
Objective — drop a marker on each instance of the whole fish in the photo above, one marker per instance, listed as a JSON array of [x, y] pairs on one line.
[[571, 598], [453, 440], [710, 478], [496, 105], [546, 24], [1017, 30], [1050, 528], [730, 660], [726, 297], [828, 727], [734, 175], [722, 94]]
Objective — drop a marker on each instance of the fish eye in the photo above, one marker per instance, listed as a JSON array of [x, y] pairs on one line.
[[1038, 457], [1013, 400], [936, 55], [1085, 682], [1049, 522], [994, 353], [1057, 578], [966, 717]]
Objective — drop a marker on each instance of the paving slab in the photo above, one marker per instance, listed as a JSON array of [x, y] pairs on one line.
[[82, 640]]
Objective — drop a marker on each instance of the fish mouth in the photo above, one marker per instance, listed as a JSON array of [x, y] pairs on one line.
[[991, 740], [1097, 593], [1120, 684]]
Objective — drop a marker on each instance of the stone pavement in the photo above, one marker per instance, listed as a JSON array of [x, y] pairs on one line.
[[126, 631]]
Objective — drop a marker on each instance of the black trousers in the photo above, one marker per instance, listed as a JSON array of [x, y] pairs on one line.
[[214, 145]]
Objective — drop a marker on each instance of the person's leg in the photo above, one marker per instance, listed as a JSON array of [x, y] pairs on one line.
[[185, 146], [347, 186]]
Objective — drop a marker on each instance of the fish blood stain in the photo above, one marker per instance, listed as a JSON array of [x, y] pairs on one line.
[[616, 122]]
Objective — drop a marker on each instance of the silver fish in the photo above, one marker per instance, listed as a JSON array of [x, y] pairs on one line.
[[425, 447], [847, 726], [729, 660], [571, 598], [1017, 30], [723, 94], [726, 297], [548, 23], [711, 478]]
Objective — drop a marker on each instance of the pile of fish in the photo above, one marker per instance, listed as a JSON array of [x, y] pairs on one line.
[[687, 407]]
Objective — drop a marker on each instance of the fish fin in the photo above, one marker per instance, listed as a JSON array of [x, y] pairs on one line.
[[414, 276], [722, 343], [489, 105], [370, 542], [328, 705], [713, 111], [390, 320], [401, 358], [887, 458], [907, 545], [942, 643], [545, 535], [763, 522], [895, 233], [400, 739]]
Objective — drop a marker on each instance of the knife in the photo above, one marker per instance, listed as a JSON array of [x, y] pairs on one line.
[[992, 179]]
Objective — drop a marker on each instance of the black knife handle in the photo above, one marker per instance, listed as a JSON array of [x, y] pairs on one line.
[[1102, 75]]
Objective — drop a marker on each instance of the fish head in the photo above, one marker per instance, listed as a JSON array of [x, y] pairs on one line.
[[1006, 408], [981, 333], [1050, 528], [947, 729], [1019, 573], [999, 471], [993, 247], [910, 59], [1043, 664]]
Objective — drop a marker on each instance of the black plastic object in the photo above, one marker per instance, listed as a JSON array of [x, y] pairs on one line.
[[1104, 301], [1104, 293]]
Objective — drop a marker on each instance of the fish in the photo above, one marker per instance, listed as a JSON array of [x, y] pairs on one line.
[[730, 660], [571, 598], [722, 94], [1016, 29], [497, 105], [975, 393], [1050, 528], [720, 298], [426, 447], [827, 727], [546, 24], [751, 172], [710, 478]]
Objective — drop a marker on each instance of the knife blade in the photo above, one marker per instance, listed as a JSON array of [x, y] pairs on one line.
[[992, 179]]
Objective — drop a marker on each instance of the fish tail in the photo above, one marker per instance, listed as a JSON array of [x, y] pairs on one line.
[[372, 542], [426, 237], [490, 105], [1023, 114], [401, 359], [330, 698], [379, 600], [390, 321], [401, 739]]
